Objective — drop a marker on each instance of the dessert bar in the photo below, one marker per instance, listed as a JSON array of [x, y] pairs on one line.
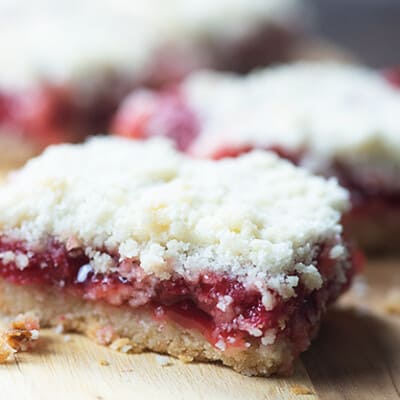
[[233, 260]]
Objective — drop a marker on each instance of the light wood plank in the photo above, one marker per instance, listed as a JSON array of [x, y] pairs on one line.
[[72, 371]]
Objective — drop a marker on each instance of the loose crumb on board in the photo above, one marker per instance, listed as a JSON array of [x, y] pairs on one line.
[[185, 359], [104, 363], [20, 335], [360, 286], [59, 329], [127, 370], [5, 351], [163, 361], [392, 302], [104, 335], [301, 390], [122, 345]]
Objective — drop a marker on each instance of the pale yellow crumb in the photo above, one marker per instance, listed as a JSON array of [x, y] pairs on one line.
[[185, 358], [122, 345], [20, 335], [59, 329], [164, 361], [5, 351], [301, 390], [392, 302]]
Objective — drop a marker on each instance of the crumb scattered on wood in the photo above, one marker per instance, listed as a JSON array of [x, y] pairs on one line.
[[65, 323], [360, 286], [107, 336], [104, 363], [104, 335], [392, 302], [301, 390], [164, 361], [185, 359], [59, 329], [122, 345], [20, 335], [5, 351], [127, 370]]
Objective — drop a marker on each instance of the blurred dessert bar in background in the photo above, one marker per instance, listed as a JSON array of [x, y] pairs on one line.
[[335, 119], [65, 65]]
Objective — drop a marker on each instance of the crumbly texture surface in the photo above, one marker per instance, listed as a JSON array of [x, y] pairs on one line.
[[331, 110], [66, 41], [257, 217], [137, 331]]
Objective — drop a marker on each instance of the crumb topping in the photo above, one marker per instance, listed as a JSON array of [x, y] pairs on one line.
[[67, 41], [254, 217], [329, 109]]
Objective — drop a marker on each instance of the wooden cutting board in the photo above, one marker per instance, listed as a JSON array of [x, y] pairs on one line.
[[357, 356]]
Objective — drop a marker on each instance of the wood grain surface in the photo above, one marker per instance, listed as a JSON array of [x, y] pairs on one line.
[[357, 356]]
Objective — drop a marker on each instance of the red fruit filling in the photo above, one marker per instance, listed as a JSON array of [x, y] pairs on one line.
[[225, 312], [52, 115], [393, 76], [290, 155], [146, 114], [38, 114]]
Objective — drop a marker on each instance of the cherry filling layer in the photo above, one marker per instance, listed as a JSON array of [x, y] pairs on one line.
[[145, 114], [221, 308], [50, 115], [39, 114]]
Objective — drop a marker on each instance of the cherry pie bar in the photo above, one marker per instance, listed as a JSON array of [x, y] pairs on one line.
[[336, 120], [65, 65], [138, 244]]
